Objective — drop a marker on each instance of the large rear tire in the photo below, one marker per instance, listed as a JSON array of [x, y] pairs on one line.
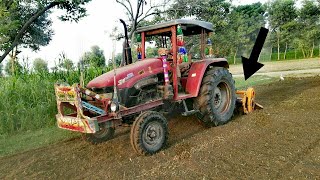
[[149, 133], [104, 134], [217, 97]]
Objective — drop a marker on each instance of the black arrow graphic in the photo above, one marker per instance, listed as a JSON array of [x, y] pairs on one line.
[[251, 65]]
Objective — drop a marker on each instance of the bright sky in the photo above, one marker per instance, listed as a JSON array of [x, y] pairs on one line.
[[76, 38]]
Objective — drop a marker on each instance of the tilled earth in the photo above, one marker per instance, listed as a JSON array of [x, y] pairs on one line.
[[282, 141]]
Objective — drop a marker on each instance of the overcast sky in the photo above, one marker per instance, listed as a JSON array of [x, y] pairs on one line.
[[76, 38]]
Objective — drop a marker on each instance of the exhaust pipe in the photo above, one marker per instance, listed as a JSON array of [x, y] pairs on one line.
[[126, 48]]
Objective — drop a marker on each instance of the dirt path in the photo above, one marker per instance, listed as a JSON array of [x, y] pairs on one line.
[[278, 66], [289, 73], [281, 141]]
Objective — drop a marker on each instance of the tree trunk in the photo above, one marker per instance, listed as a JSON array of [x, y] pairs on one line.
[[234, 57], [307, 53], [319, 50], [278, 47], [311, 53], [285, 51], [13, 57], [271, 54], [295, 53], [304, 54], [12, 62], [25, 27]]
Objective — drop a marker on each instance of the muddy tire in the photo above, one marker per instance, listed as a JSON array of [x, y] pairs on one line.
[[104, 134], [217, 97], [149, 133]]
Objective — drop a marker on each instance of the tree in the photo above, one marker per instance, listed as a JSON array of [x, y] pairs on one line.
[[40, 65], [117, 58], [140, 13], [280, 12], [244, 23], [25, 16], [137, 15], [290, 32], [13, 68], [151, 52], [309, 17], [208, 10], [214, 11], [93, 58], [65, 63]]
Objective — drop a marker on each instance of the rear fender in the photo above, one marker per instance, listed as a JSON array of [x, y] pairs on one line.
[[197, 71]]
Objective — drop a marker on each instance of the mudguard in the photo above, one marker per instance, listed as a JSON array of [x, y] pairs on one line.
[[196, 73]]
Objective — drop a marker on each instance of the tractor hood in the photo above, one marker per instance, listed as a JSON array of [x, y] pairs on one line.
[[127, 75]]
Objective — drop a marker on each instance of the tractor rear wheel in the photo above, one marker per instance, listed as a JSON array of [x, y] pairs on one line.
[[104, 134], [217, 97], [149, 133]]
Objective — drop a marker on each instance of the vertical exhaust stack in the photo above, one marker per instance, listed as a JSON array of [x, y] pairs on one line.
[[126, 48]]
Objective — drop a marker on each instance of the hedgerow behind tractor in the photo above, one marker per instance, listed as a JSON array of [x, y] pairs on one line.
[[140, 94]]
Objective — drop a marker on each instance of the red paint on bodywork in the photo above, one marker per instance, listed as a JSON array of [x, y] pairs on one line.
[[196, 73], [184, 81], [149, 67], [72, 127]]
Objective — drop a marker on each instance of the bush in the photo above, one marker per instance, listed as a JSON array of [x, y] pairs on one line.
[[28, 101]]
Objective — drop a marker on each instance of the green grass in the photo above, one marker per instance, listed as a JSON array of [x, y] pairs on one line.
[[27, 103], [28, 109], [253, 81], [24, 141], [265, 57]]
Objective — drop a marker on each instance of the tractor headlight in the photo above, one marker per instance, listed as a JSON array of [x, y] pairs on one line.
[[113, 107]]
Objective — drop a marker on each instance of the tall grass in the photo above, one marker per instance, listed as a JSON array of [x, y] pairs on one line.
[[27, 101]]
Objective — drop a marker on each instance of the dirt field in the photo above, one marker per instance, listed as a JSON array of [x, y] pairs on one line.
[[282, 141]]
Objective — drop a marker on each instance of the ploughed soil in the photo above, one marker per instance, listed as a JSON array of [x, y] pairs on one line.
[[282, 141]]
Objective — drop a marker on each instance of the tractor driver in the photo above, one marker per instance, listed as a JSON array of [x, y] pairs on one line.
[[182, 67]]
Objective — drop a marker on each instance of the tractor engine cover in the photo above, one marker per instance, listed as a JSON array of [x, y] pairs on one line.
[[127, 76]]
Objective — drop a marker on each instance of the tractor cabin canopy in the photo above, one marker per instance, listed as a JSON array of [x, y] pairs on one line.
[[169, 29]]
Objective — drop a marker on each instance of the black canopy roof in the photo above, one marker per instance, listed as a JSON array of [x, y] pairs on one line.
[[189, 27]]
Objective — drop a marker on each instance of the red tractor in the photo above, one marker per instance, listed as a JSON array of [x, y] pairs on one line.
[[140, 94]]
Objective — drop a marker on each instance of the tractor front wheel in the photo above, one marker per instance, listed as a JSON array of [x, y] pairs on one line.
[[217, 97], [104, 134], [149, 133]]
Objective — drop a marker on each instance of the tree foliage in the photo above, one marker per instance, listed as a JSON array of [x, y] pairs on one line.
[[1, 70], [93, 58], [309, 19], [243, 26], [28, 24], [65, 64], [234, 27], [40, 65], [38, 34], [281, 15], [13, 68]]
